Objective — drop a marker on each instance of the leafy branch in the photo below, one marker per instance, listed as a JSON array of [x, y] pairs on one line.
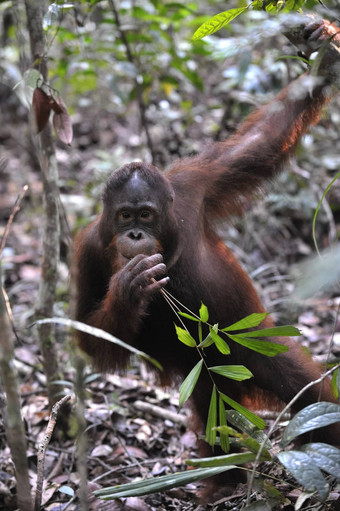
[[306, 465], [249, 339], [222, 19]]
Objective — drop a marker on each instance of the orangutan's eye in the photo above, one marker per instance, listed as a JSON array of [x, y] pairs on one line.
[[146, 215], [125, 215]]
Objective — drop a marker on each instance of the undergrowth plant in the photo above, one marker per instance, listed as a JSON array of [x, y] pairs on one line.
[[251, 339], [237, 424]]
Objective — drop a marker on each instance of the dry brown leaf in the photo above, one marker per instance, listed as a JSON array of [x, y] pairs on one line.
[[57, 106], [101, 451], [62, 123], [41, 107], [136, 504]]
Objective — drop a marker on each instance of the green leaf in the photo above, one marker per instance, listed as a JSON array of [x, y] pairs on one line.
[[265, 347], [224, 437], [204, 314], [246, 442], [272, 495], [185, 337], [276, 331], [188, 316], [229, 430], [305, 471], [274, 6], [292, 5], [189, 383], [235, 372], [157, 484], [220, 343], [336, 383], [101, 334], [326, 457], [316, 415], [217, 22], [31, 78], [210, 432], [257, 421], [239, 421], [226, 459], [248, 322], [257, 5], [253, 445], [208, 341]]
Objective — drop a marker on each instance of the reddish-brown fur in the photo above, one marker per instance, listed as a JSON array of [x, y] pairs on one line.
[[215, 184]]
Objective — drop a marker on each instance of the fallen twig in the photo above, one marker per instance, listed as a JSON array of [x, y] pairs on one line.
[[43, 446], [178, 418]]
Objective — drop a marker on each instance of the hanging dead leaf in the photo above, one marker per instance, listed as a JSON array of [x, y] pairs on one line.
[[41, 107], [58, 106], [62, 123]]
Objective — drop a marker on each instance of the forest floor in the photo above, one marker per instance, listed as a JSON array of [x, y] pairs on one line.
[[125, 441]]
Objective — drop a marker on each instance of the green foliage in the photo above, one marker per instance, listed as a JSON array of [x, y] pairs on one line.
[[204, 314], [210, 432], [216, 420], [336, 383], [259, 346], [227, 459], [249, 339], [98, 332], [275, 6], [220, 343], [249, 322], [252, 417], [314, 416], [217, 22], [306, 464], [161, 483], [224, 437], [185, 337], [251, 430], [189, 383], [85, 61], [326, 457], [222, 19], [310, 477], [236, 372]]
